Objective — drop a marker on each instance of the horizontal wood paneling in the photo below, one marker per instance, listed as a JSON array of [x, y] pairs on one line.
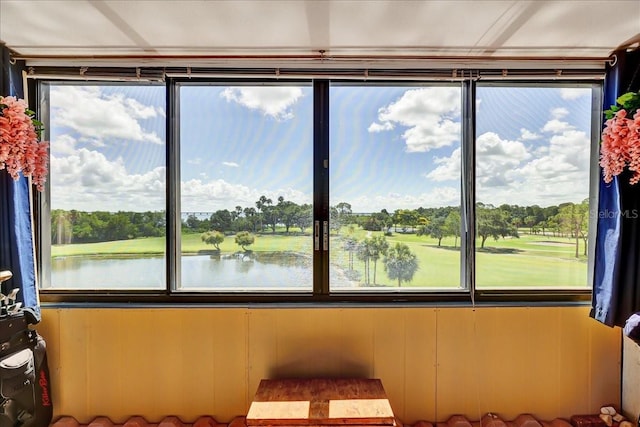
[[433, 362]]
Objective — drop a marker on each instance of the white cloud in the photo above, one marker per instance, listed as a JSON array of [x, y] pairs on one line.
[[556, 126], [552, 173], [567, 160], [231, 164], [559, 112], [438, 196], [430, 114], [97, 116], [209, 196], [574, 93], [527, 135], [274, 101], [88, 181], [139, 110], [63, 145], [448, 167], [377, 127], [496, 158]]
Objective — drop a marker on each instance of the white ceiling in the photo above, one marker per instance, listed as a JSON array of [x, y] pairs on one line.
[[364, 28]]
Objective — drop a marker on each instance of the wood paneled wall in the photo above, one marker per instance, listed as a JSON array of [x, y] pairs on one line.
[[631, 379], [434, 362]]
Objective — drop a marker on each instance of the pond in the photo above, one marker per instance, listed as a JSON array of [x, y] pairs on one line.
[[244, 271]]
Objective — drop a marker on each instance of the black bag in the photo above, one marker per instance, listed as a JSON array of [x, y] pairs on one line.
[[25, 396]]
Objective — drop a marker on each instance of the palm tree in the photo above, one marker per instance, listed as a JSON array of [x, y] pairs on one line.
[[260, 205], [400, 263], [350, 245], [378, 247], [363, 253]]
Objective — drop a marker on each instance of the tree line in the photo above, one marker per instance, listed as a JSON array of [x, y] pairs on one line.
[[100, 226], [265, 216], [285, 216]]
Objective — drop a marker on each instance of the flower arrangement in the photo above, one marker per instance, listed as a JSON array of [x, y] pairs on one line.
[[20, 150], [620, 145]]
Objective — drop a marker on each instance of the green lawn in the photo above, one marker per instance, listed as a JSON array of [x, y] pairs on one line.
[[145, 246], [528, 261]]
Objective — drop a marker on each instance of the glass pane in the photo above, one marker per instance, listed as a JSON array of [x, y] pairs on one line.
[[107, 179], [532, 171], [246, 156], [395, 187]]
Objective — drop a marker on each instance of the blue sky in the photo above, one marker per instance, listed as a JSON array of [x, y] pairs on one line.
[[390, 146]]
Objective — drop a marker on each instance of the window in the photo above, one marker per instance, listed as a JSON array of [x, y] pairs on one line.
[[246, 187], [107, 187], [532, 186], [314, 190], [395, 216]]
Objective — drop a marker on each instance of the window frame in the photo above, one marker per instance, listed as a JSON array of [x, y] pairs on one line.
[[321, 292]]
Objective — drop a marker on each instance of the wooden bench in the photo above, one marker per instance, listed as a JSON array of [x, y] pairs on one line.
[[320, 402]]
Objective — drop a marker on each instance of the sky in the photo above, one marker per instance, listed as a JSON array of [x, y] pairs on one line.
[[391, 147]]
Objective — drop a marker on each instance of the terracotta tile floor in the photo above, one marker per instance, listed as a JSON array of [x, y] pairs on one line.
[[489, 420]]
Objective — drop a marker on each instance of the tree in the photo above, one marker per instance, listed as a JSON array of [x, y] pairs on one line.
[[378, 247], [221, 220], [452, 225], [400, 263], [584, 229], [192, 222], [363, 253], [350, 245], [334, 219], [250, 214], [259, 206], [371, 223], [344, 208], [288, 213], [434, 228], [60, 227], [574, 220], [213, 238], [530, 221], [244, 239], [304, 216], [339, 215], [384, 219], [405, 218], [271, 214], [493, 222], [119, 227]]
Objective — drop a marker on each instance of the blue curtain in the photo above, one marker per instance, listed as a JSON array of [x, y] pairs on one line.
[[616, 287], [16, 242]]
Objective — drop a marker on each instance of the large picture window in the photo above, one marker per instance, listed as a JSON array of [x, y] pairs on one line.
[[532, 186], [246, 187], [107, 187], [395, 213], [307, 190]]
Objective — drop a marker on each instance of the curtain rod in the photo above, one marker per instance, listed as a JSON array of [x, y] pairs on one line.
[[319, 56], [451, 75], [318, 60]]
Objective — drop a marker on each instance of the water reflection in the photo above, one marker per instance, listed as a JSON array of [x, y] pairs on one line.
[[76, 272], [248, 270], [210, 271]]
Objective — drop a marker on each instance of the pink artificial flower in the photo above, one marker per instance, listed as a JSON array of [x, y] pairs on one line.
[[620, 146], [20, 150], [633, 144]]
